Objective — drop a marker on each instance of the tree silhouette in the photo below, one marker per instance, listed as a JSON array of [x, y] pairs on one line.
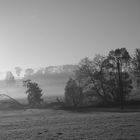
[[34, 92], [10, 79], [136, 66], [73, 93], [90, 74], [29, 72], [119, 60], [18, 70], [106, 77]]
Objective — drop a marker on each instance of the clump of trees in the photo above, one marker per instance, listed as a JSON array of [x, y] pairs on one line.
[[73, 93], [106, 78], [9, 78], [18, 71], [109, 79], [34, 93], [28, 72]]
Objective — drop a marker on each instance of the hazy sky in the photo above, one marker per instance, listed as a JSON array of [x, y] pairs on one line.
[[38, 33]]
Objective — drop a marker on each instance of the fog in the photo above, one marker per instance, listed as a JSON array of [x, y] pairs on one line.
[[51, 80]]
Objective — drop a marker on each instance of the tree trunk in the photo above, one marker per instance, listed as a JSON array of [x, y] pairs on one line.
[[120, 85]]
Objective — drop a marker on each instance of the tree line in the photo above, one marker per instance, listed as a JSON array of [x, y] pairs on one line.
[[108, 79]]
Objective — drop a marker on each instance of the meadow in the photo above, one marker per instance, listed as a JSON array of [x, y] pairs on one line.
[[49, 124]]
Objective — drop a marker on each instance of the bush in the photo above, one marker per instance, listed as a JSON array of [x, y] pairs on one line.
[[34, 93], [73, 94]]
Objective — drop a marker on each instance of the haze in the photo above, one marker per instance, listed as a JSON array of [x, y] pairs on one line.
[[38, 33]]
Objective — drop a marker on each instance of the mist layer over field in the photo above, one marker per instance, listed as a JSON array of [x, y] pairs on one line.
[[52, 85]]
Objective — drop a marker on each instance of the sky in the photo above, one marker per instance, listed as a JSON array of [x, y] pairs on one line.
[[39, 33]]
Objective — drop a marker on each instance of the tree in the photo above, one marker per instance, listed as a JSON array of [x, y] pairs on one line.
[[90, 74], [73, 94], [10, 79], [18, 70], [29, 72], [119, 60], [136, 66], [34, 92], [105, 77]]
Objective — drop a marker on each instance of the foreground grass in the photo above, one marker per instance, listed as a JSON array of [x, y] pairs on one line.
[[48, 124]]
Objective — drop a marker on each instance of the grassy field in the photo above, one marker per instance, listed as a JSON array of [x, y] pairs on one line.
[[48, 124]]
